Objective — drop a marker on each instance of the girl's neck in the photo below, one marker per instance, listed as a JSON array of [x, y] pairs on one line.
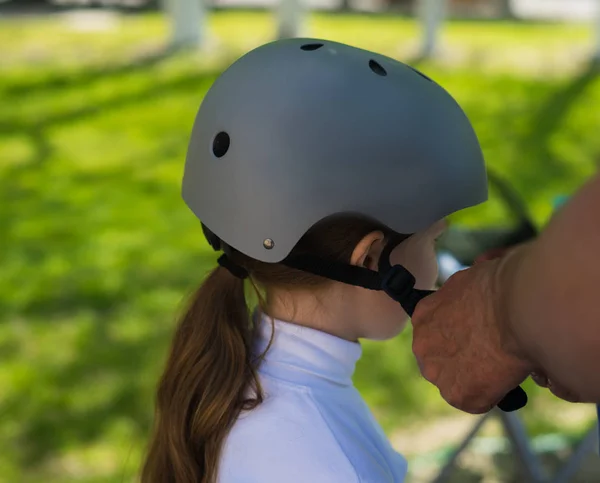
[[323, 311]]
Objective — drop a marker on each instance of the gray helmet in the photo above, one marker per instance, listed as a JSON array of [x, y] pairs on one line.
[[301, 129]]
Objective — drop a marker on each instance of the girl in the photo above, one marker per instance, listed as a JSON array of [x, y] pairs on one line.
[[307, 160]]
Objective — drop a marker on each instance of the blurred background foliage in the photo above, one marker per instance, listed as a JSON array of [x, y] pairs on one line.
[[98, 250]]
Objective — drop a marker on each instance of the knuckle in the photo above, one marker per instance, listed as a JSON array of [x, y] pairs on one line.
[[453, 398], [460, 276], [422, 310], [469, 401], [420, 347], [431, 372], [478, 409]]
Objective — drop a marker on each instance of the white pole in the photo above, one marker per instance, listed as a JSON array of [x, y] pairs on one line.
[[290, 18], [188, 22], [432, 14], [596, 55]]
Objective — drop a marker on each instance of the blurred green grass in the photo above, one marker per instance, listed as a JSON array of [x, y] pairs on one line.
[[98, 249]]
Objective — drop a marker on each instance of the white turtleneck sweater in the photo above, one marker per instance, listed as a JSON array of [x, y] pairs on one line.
[[313, 426]]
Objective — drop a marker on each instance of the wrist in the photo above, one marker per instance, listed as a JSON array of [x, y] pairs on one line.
[[506, 290]]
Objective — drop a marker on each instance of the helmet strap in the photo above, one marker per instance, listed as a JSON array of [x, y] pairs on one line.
[[396, 281], [236, 270]]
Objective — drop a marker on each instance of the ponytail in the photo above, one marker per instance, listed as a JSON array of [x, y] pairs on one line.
[[212, 370], [205, 384]]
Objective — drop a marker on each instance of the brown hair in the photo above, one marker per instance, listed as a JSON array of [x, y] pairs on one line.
[[211, 373]]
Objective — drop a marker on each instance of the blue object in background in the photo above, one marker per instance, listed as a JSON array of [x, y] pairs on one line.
[[559, 200], [448, 265]]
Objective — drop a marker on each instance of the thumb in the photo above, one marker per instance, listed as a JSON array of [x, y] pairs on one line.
[[491, 254], [422, 309]]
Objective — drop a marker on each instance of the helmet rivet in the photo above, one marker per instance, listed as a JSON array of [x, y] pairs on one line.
[[268, 244]]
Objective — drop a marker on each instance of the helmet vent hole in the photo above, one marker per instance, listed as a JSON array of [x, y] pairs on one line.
[[310, 47], [221, 144], [377, 68], [420, 73]]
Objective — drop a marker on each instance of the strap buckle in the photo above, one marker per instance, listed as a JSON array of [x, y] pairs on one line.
[[397, 283]]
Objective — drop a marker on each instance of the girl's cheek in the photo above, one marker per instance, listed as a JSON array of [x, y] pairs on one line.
[[419, 257], [427, 270]]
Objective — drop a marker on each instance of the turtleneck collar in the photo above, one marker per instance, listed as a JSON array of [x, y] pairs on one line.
[[305, 356]]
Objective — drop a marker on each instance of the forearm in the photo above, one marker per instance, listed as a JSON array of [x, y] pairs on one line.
[[551, 295]]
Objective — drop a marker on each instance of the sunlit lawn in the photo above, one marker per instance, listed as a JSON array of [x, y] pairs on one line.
[[97, 249]]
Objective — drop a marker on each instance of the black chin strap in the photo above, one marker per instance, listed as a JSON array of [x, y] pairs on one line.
[[396, 281], [235, 270]]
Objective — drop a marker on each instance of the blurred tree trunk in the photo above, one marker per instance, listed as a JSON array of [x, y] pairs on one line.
[[345, 6], [432, 14], [596, 54], [188, 22], [290, 18], [404, 5], [506, 10]]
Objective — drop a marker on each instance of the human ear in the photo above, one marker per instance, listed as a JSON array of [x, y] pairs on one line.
[[367, 251]]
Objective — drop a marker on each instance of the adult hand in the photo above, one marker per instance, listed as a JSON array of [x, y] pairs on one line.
[[557, 389], [493, 254], [462, 341], [538, 376]]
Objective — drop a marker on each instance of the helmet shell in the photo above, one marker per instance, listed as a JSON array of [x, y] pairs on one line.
[[291, 134]]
